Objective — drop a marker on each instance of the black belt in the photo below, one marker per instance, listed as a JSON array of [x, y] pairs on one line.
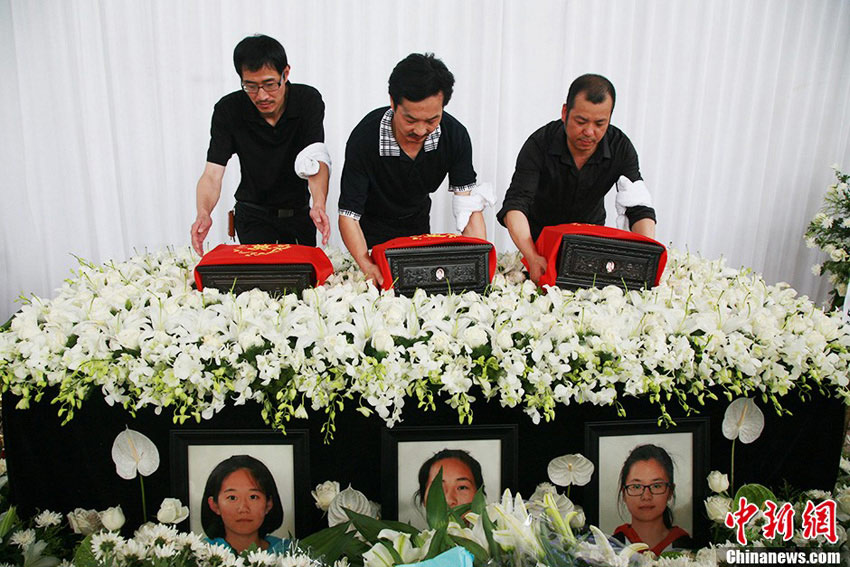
[[273, 211]]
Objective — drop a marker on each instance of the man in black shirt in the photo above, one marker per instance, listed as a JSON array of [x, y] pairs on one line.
[[565, 169], [398, 155], [275, 128]]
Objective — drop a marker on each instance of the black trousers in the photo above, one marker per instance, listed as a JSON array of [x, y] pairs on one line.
[[256, 226]]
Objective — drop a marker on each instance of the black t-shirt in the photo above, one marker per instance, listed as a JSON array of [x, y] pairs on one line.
[[391, 194], [267, 153], [549, 189]]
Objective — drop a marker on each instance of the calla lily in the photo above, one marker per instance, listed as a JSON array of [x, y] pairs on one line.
[[570, 469], [134, 453], [743, 420]]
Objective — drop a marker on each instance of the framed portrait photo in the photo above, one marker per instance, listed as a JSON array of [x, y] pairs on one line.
[[492, 449], [196, 453], [608, 444]]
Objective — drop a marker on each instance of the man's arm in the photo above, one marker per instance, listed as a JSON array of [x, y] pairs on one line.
[[207, 195], [645, 227], [476, 227], [352, 236], [520, 231], [318, 185]]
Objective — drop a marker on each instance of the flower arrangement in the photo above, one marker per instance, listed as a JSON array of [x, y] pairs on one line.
[[830, 231], [138, 333]]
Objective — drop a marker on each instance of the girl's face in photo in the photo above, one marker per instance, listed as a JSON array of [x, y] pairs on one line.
[[458, 482], [241, 503], [647, 477]]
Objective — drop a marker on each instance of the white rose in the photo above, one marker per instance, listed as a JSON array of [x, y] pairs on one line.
[[112, 518], [325, 494], [382, 340], [474, 336], [84, 522], [172, 511], [717, 507], [718, 482], [842, 498]]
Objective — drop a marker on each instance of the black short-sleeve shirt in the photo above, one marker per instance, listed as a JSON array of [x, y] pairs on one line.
[[549, 189], [267, 153], [390, 194]]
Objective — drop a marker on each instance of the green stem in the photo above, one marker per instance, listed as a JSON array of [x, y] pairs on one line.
[[732, 482], [144, 507]]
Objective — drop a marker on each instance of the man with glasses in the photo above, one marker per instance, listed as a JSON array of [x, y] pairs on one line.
[[275, 127]]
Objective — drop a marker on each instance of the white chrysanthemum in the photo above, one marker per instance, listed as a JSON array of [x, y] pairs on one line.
[[23, 538], [46, 519]]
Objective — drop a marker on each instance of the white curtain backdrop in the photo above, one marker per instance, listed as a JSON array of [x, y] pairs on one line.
[[737, 109]]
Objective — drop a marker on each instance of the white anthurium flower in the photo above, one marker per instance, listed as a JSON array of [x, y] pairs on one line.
[[348, 499], [570, 469], [134, 453], [743, 420]]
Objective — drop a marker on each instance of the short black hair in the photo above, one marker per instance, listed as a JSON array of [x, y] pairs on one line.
[[418, 76], [647, 453], [256, 51], [212, 523], [594, 87], [459, 454]]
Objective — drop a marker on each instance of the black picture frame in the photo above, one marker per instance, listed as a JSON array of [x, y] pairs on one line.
[[608, 443], [194, 453], [405, 449]]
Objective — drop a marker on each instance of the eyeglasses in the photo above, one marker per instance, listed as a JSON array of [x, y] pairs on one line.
[[270, 87], [654, 488]]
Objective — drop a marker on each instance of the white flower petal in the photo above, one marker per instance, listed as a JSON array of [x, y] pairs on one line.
[[570, 469], [743, 420], [134, 452]]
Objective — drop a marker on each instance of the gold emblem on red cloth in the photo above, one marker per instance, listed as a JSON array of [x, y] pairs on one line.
[[424, 236], [260, 249]]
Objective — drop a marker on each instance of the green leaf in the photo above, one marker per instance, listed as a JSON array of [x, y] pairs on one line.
[[333, 543], [479, 506], [439, 543], [755, 494], [369, 527], [481, 555], [7, 521], [84, 557], [436, 508]]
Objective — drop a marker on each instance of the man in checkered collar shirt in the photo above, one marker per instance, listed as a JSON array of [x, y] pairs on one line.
[[398, 155]]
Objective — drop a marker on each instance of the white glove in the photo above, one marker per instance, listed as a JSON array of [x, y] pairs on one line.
[[478, 199], [307, 161], [630, 195]]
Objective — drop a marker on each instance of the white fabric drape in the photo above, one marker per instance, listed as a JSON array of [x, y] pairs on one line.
[[737, 108]]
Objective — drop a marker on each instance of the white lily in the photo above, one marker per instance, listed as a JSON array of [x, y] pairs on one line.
[[601, 552], [515, 526]]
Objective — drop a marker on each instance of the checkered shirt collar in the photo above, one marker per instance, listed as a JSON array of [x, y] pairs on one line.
[[387, 144]]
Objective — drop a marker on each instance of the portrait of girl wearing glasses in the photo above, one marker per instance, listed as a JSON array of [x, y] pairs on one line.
[[647, 489]]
